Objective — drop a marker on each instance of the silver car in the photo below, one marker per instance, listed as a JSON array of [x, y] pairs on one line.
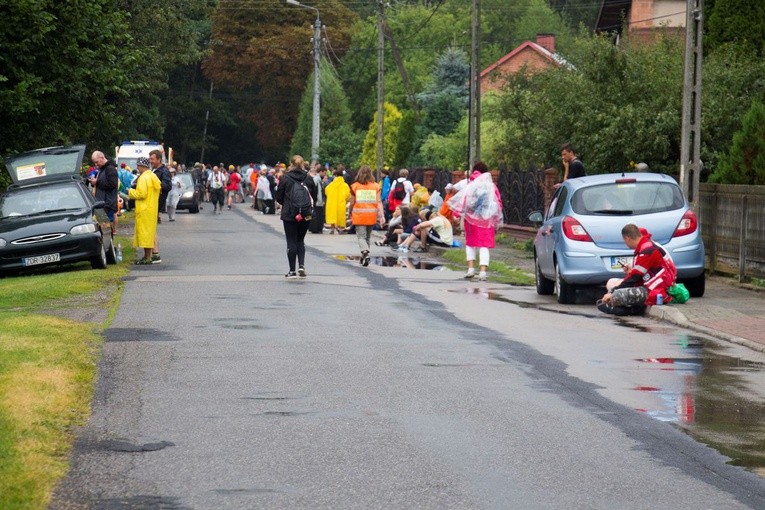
[[579, 242]]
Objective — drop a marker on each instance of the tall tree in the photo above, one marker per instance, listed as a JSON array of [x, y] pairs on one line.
[[64, 69], [445, 99], [745, 162], [392, 121], [261, 55], [736, 21], [334, 110]]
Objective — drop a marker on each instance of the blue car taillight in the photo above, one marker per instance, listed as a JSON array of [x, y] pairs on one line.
[[688, 224], [574, 230]]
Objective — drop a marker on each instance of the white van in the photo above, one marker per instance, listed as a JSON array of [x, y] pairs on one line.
[[131, 150]]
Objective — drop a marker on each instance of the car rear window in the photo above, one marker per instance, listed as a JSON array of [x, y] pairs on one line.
[[187, 180], [627, 198], [41, 199]]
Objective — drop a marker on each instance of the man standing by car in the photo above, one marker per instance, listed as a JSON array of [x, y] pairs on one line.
[[166, 184], [107, 185], [572, 166]]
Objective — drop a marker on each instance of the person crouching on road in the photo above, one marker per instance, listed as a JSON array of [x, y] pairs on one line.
[[366, 209], [145, 196], [295, 221], [652, 273]]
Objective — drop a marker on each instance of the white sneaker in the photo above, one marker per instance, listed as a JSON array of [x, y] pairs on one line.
[[403, 249], [470, 274], [482, 276]]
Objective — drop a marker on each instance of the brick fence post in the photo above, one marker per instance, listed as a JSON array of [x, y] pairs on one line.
[[550, 180]]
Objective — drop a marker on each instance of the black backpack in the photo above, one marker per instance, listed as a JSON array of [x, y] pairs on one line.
[[399, 191], [300, 200]]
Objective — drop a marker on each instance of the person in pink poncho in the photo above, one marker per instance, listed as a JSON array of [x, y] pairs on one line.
[[480, 204]]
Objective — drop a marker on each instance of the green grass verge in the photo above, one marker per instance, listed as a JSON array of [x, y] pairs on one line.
[[47, 372], [498, 271]]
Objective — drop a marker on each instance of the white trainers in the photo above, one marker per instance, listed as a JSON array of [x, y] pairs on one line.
[[470, 274], [301, 272], [482, 276]]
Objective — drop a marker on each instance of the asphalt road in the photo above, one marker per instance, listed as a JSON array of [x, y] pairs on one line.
[[222, 385]]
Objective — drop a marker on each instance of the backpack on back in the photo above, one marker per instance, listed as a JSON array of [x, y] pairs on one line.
[[301, 201], [399, 191]]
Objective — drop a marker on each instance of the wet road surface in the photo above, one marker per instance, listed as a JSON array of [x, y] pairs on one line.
[[224, 386]]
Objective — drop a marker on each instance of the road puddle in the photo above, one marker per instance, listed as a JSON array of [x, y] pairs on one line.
[[712, 390], [403, 261], [718, 399]]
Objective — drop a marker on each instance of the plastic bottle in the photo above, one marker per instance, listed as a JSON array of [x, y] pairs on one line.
[[660, 299], [119, 252]]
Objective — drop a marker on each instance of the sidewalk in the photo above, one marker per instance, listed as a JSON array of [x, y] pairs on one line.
[[727, 311]]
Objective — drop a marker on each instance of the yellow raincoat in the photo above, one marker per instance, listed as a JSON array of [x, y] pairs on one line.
[[146, 197], [337, 192]]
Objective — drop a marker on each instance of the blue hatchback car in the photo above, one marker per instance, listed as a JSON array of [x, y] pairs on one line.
[[579, 242]]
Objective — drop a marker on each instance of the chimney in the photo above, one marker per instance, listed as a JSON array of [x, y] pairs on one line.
[[547, 41]]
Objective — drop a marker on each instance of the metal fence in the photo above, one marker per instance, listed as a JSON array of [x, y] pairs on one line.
[[733, 228], [521, 189]]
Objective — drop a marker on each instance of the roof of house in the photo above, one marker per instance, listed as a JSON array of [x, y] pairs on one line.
[[553, 57]]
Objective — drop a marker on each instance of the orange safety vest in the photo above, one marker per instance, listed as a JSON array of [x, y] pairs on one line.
[[365, 208]]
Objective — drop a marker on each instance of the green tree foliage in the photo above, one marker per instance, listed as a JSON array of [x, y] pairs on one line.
[[64, 69], [341, 145], [334, 110], [406, 139], [445, 99], [615, 104], [745, 162], [446, 151], [261, 54], [732, 77], [736, 21], [391, 122]]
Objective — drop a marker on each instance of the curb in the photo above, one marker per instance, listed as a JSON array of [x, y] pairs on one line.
[[675, 316]]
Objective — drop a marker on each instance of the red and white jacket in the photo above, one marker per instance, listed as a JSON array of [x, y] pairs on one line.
[[653, 268]]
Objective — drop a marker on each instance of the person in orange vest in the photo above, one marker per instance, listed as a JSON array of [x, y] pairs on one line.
[[366, 209]]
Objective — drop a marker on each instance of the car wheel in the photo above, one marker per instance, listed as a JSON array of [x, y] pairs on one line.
[[99, 261], [111, 254], [545, 286], [696, 286], [565, 291]]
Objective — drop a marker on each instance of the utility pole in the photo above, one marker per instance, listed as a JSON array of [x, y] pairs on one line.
[[380, 86], [474, 121], [690, 142], [402, 70], [315, 128], [207, 118]]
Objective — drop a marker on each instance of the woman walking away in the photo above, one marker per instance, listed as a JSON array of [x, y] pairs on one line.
[[481, 206], [366, 209], [296, 193]]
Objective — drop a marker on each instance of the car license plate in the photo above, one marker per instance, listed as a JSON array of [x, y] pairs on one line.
[[42, 259], [618, 262]]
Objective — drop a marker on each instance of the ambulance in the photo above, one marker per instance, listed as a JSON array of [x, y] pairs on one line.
[[131, 150]]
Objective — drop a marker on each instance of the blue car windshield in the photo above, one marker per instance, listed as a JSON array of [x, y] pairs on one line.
[[627, 199], [40, 200]]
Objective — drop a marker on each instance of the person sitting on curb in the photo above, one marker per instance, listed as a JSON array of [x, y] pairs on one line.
[[652, 273], [433, 229]]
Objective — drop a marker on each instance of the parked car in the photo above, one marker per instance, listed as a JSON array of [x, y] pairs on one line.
[[192, 195], [49, 216], [579, 242]]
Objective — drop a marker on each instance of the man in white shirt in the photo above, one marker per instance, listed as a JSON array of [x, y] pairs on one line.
[[403, 177]]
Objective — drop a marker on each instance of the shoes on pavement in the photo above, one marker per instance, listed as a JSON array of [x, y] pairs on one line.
[[470, 274], [301, 272], [365, 258], [403, 249], [379, 243], [142, 262], [291, 275], [482, 276], [420, 249], [155, 258]]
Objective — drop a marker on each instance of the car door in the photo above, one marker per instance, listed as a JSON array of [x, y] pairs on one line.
[[550, 231]]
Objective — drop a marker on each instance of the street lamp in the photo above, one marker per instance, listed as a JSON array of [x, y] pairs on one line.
[[316, 92]]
